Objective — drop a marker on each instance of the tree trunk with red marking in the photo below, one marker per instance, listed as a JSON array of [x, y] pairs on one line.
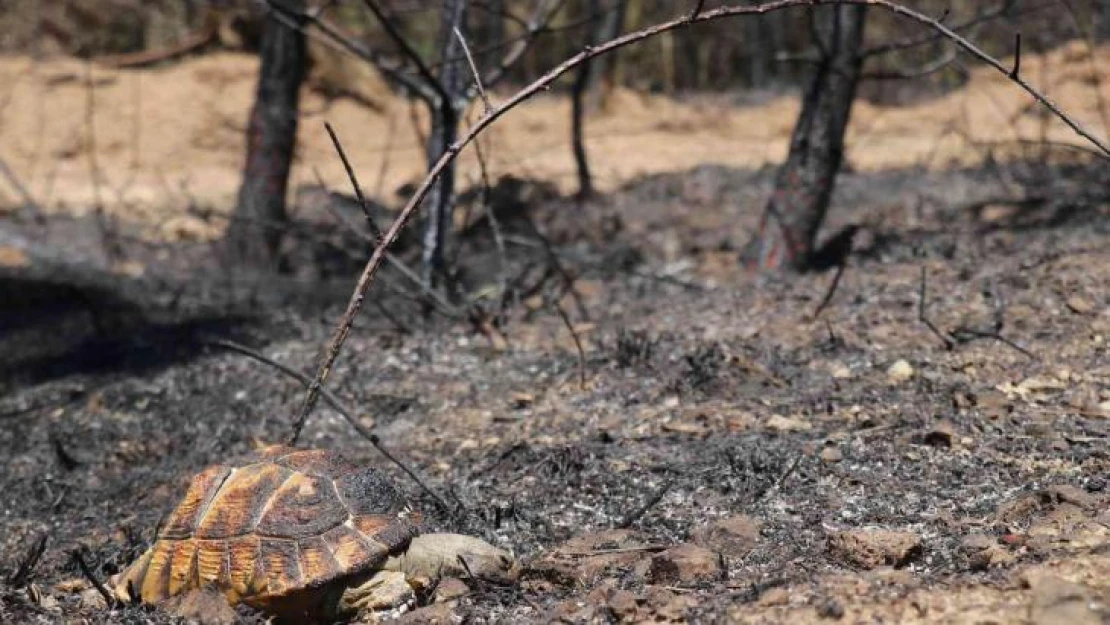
[[259, 219], [788, 229]]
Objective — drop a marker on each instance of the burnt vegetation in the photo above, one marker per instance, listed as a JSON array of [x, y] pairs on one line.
[[709, 311]]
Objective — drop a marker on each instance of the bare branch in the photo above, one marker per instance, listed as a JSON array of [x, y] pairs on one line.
[[406, 48], [375, 232], [366, 278], [335, 403], [1002, 8], [330, 35], [697, 10], [1017, 57], [905, 74], [830, 291], [577, 341], [545, 10], [473, 70], [923, 318]]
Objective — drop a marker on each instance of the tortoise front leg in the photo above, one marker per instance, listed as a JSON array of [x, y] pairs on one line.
[[380, 590]]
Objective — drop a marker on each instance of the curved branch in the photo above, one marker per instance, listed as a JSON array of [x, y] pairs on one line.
[[366, 278]]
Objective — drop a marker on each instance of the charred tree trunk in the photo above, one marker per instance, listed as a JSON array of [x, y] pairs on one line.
[[259, 219], [804, 184], [445, 127], [578, 105]]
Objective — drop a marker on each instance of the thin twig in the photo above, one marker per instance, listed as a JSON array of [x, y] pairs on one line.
[[697, 10], [577, 342], [830, 291], [914, 42], [473, 70], [375, 232], [27, 565], [541, 18], [494, 222], [449, 155], [651, 502], [337, 405], [20, 188], [781, 479], [1017, 57], [431, 296], [923, 318], [615, 551], [331, 36], [79, 558], [407, 49], [966, 334]]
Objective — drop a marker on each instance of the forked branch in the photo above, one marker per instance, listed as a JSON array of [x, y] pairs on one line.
[[366, 278]]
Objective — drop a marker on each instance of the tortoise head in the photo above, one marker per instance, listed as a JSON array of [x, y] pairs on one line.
[[433, 556]]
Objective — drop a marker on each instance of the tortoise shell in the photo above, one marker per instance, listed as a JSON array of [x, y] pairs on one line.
[[282, 523]]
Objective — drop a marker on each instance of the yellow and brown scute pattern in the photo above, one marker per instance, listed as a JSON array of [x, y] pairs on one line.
[[274, 528]]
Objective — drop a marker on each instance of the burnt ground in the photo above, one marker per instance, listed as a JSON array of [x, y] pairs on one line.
[[848, 468]]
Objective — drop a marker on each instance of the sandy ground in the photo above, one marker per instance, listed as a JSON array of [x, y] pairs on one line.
[[145, 143], [718, 452]]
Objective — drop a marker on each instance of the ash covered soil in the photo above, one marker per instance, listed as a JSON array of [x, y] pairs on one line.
[[720, 455]]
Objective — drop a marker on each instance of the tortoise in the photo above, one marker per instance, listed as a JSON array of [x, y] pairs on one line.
[[301, 535]]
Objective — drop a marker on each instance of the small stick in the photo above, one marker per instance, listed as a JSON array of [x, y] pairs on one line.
[[336, 404], [20, 188], [577, 342], [408, 50], [948, 343], [830, 292], [444, 307], [782, 478], [1017, 57], [697, 10], [473, 70], [87, 572], [27, 565], [374, 230], [494, 223], [655, 498], [606, 552]]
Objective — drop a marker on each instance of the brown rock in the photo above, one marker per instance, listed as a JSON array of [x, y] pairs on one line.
[[775, 596], [435, 614], [869, 549], [1064, 493], [91, 599], [587, 557], [1080, 305], [1059, 602], [206, 607], [977, 542], [779, 423], [685, 564], [734, 536], [993, 556], [621, 603], [832, 454], [665, 605], [451, 588]]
